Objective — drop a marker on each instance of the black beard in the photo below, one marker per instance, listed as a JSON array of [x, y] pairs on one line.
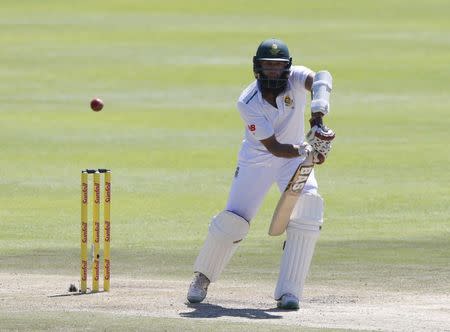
[[273, 91]]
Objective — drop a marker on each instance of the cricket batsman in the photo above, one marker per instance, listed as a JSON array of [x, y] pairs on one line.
[[273, 109]]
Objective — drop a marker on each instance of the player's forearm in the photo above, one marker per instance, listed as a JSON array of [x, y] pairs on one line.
[[320, 90], [285, 151]]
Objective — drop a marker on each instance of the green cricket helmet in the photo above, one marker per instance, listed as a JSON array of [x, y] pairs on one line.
[[272, 50]]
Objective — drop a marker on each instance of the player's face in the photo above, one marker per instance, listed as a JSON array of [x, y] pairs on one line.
[[272, 69]]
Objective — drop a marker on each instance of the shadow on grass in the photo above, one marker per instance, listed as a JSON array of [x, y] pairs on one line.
[[206, 310]]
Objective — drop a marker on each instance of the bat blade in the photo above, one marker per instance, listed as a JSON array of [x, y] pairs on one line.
[[288, 199]]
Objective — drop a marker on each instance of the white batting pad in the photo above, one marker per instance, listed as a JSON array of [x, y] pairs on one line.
[[307, 213], [301, 236], [225, 232], [297, 256]]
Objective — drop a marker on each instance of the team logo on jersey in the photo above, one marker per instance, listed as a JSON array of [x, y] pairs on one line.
[[274, 50], [288, 101]]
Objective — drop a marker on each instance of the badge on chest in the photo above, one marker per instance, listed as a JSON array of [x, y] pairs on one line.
[[288, 102]]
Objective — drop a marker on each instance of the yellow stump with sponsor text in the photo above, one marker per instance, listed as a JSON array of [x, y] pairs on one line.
[[84, 231], [96, 233], [107, 233], [96, 202]]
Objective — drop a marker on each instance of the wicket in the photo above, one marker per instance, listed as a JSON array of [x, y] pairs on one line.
[[96, 230]]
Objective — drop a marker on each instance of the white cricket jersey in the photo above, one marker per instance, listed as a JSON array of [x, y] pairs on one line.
[[262, 120]]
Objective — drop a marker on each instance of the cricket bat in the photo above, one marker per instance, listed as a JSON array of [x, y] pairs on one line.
[[289, 198]]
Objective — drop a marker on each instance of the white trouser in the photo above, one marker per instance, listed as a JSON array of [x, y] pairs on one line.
[[252, 182]]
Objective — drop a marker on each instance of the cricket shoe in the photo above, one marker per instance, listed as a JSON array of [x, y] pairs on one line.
[[198, 288], [288, 301]]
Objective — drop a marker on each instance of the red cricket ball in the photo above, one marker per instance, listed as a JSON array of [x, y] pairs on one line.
[[96, 104]]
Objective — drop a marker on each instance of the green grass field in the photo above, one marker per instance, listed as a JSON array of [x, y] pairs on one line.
[[170, 73]]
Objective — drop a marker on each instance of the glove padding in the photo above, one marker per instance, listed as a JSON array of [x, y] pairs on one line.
[[320, 137]]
